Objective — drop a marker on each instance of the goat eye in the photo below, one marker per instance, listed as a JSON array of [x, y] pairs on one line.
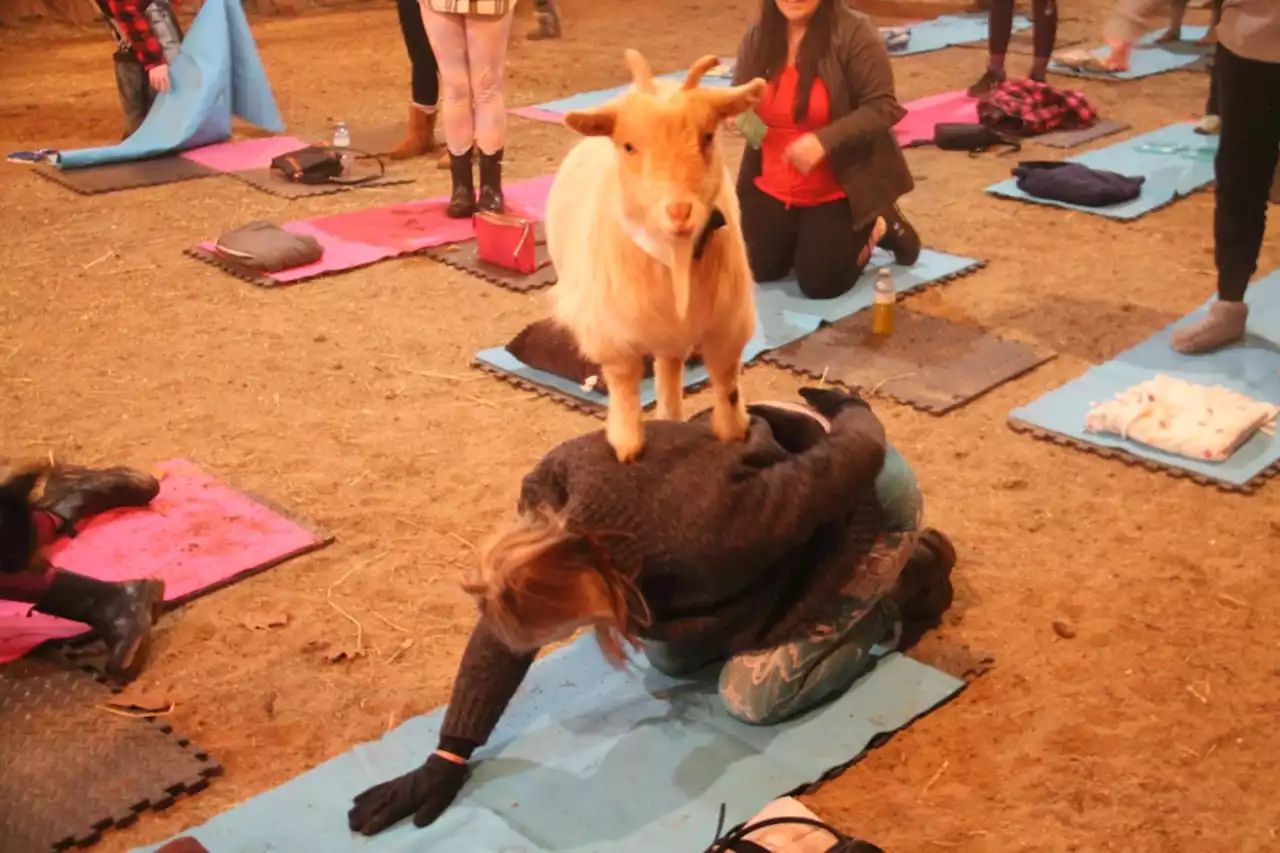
[[628, 147], [708, 138]]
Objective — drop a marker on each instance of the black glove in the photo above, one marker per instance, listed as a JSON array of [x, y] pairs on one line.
[[424, 793], [828, 402]]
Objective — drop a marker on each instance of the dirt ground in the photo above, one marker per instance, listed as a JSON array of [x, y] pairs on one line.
[[350, 401]]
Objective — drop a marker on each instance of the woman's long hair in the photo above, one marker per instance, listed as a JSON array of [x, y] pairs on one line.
[[536, 578], [771, 48]]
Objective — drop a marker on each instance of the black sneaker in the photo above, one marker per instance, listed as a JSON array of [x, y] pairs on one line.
[[900, 238], [924, 591], [74, 493], [121, 614], [986, 84]]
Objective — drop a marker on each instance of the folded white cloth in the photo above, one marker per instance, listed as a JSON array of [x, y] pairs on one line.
[[790, 837], [1196, 421]]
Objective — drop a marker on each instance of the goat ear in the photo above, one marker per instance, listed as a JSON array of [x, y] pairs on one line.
[[598, 122], [736, 99]]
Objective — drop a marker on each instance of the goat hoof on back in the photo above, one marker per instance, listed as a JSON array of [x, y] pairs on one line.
[[730, 425], [626, 446]]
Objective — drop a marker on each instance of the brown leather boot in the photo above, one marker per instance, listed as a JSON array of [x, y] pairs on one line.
[[421, 138], [445, 160]]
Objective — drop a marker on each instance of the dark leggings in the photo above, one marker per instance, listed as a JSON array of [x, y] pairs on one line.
[[819, 243], [1249, 99], [1211, 106], [1044, 19], [426, 79]]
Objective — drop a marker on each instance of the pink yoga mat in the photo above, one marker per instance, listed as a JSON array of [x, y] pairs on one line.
[[363, 237], [244, 154], [924, 113], [197, 534], [538, 114]]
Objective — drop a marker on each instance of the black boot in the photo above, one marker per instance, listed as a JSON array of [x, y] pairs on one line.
[[924, 591], [120, 613], [74, 493], [462, 202], [900, 238], [491, 199]]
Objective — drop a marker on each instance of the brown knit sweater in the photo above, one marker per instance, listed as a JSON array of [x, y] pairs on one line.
[[734, 546]]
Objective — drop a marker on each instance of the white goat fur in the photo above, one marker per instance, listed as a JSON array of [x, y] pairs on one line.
[[622, 304]]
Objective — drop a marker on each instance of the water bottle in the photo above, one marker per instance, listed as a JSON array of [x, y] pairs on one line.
[[882, 305], [341, 136]]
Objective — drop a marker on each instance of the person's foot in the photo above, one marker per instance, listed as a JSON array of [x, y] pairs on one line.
[[75, 493], [491, 199], [462, 201], [121, 614], [1209, 126], [878, 231], [548, 24], [1208, 39], [987, 83], [421, 136], [924, 591], [1223, 325], [1170, 35], [900, 238]]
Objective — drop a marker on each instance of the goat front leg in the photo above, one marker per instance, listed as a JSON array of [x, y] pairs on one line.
[[624, 426], [729, 417], [668, 376]]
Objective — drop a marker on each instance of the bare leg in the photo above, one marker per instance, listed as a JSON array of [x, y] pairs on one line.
[[668, 375], [729, 417], [625, 424]]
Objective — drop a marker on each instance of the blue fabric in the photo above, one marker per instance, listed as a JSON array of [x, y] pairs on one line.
[[949, 31], [217, 74], [1170, 176], [1251, 367], [591, 100], [1149, 58], [589, 759], [783, 316]]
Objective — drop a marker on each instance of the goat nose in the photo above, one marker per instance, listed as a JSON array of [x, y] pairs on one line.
[[679, 211]]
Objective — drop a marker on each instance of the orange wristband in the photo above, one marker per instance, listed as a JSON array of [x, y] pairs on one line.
[[449, 756]]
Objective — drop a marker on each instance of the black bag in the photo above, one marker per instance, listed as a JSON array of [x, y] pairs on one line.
[[974, 138], [317, 164]]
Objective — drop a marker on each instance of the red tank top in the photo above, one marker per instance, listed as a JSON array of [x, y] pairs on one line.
[[779, 178]]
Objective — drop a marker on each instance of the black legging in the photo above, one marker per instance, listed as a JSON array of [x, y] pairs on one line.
[[1249, 98], [818, 242], [426, 74], [1044, 19], [1211, 106]]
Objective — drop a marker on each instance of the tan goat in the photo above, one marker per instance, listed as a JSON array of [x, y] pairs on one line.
[[628, 207]]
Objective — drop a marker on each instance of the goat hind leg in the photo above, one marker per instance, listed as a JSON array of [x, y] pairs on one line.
[[729, 417], [624, 426], [668, 376]]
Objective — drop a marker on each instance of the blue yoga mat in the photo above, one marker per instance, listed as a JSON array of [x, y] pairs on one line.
[[1170, 176], [949, 31], [1251, 368], [591, 100], [216, 75], [783, 316], [589, 760], [1149, 58]]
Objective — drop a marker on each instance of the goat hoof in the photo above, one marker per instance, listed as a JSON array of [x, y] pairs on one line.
[[627, 448], [731, 428]]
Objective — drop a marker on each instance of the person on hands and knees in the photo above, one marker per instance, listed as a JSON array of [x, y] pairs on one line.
[[687, 553], [38, 505]]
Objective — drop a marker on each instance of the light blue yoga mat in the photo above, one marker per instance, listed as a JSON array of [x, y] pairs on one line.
[[1170, 175], [1251, 368], [783, 316], [949, 31], [588, 760], [590, 100], [1149, 58], [216, 75]]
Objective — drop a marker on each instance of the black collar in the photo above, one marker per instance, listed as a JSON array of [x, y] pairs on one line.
[[715, 222]]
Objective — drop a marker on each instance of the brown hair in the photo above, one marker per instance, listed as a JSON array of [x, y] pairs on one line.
[[537, 579]]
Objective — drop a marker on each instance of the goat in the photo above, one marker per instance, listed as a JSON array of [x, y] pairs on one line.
[[630, 206]]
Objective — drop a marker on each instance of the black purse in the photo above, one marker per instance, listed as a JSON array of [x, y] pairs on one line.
[[318, 164], [974, 138]]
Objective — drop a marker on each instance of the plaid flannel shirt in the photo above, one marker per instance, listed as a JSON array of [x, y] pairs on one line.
[[1030, 108], [127, 15], [471, 7]]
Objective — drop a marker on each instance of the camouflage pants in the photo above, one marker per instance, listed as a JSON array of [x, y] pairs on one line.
[[772, 685]]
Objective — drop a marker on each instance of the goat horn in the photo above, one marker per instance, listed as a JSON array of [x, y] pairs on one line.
[[641, 73], [701, 67]]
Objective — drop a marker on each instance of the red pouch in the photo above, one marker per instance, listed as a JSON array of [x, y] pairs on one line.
[[506, 241]]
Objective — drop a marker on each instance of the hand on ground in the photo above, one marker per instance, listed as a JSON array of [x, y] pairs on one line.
[[424, 793]]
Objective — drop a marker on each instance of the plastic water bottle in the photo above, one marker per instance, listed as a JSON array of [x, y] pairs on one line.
[[882, 304], [341, 136]]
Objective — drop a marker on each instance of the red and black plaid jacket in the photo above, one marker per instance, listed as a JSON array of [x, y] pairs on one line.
[[127, 14], [1029, 108]]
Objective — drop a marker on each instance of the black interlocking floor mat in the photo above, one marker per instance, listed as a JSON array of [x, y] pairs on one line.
[[72, 770]]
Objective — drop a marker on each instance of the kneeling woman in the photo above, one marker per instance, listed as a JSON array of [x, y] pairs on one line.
[[787, 557], [821, 191]]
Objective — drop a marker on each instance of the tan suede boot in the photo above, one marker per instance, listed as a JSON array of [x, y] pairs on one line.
[[421, 138]]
